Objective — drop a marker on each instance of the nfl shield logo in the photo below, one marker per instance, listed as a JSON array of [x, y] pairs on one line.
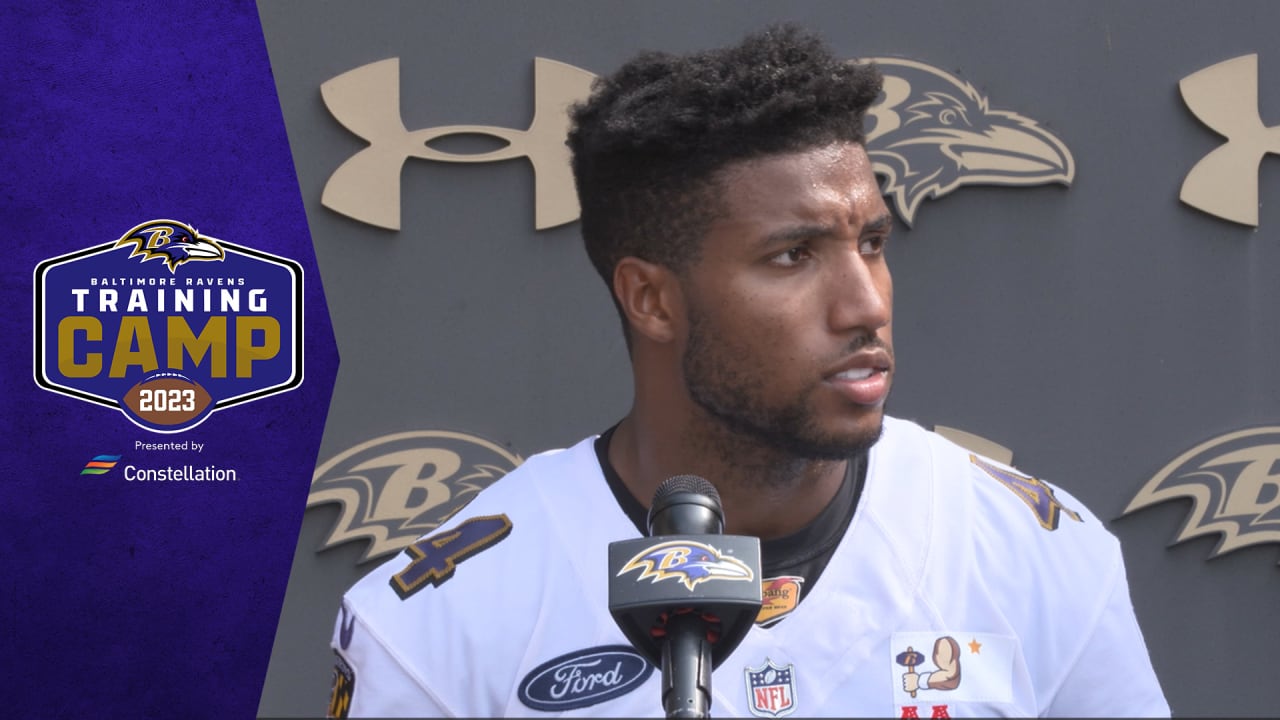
[[771, 691]]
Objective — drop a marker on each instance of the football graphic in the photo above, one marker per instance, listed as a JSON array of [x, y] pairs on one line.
[[167, 398]]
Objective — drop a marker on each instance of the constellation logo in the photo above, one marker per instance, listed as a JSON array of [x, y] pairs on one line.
[[100, 464], [933, 133], [1225, 182], [1233, 482]]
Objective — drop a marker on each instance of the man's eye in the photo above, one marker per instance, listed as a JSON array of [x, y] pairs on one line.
[[791, 257], [873, 245]]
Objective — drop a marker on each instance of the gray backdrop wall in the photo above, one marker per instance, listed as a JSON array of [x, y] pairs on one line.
[[1098, 330]]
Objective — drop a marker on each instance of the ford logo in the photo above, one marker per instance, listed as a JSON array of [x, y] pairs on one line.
[[585, 677]]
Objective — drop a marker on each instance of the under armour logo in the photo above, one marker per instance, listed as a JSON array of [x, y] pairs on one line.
[[1225, 182], [366, 101]]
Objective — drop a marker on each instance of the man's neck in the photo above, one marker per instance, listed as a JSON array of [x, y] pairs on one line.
[[764, 493]]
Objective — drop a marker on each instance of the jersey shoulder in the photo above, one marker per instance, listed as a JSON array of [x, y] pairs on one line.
[[989, 548], [966, 510], [997, 497], [472, 549], [472, 593]]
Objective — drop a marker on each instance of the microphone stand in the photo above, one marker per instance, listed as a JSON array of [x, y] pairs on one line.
[[687, 595], [687, 693]]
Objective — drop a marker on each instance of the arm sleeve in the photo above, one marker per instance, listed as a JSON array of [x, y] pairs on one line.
[[380, 684], [1112, 676]]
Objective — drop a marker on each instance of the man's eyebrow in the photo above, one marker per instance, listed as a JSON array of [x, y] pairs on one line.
[[797, 233], [812, 231], [880, 224]]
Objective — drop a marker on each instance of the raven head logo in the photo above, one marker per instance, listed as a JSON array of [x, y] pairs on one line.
[[934, 132], [1233, 482], [686, 561], [170, 241]]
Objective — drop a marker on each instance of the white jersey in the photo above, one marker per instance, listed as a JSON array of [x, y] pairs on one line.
[[961, 588]]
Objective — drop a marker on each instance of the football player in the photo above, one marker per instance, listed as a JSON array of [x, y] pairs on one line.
[[729, 205]]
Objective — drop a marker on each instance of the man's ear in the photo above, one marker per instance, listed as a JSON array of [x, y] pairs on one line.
[[651, 298]]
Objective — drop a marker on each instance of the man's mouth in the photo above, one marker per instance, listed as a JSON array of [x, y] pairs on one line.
[[864, 380], [855, 374]]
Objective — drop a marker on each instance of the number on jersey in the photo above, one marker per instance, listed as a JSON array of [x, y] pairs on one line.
[[1034, 492], [437, 556]]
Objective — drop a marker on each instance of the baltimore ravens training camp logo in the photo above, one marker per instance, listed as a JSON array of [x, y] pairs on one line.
[[932, 133], [396, 488], [168, 325], [1233, 482], [687, 562]]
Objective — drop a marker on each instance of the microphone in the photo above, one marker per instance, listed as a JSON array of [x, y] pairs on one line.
[[687, 595], [686, 505]]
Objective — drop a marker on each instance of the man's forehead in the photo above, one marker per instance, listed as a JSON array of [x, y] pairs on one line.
[[833, 174], [837, 152]]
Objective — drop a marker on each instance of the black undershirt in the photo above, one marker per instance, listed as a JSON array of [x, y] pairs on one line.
[[804, 553]]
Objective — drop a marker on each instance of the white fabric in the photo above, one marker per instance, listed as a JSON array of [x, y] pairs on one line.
[[938, 548]]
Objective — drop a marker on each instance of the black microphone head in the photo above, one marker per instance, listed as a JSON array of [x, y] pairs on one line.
[[685, 484], [685, 504]]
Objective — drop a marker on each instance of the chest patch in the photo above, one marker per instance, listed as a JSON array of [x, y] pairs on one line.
[[584, 677], [934, 669], [771, 690], [781, 595]]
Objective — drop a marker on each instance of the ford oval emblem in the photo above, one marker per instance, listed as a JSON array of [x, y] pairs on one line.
[[584, 677]]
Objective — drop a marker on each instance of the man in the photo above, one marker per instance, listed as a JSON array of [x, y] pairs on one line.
[[730, 206]]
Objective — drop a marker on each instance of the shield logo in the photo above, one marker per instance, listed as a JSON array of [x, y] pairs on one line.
[[771, 690]]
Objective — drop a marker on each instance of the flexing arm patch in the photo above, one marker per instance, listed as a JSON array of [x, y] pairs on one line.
[[1034, 492], [435, 557]]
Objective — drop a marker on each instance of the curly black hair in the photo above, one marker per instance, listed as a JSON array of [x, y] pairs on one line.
[[650, 140]]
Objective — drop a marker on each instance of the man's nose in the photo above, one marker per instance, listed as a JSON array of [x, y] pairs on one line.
[[860, 294]]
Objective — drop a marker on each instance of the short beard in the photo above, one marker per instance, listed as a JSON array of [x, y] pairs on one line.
[[733, 398]]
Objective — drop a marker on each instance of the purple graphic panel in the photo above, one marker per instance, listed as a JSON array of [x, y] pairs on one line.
[[145, 570]]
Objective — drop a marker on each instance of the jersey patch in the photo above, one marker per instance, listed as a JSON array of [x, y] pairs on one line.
[[771, 690], [436, 557], [584, 677], [1034, 492], [343, 687], [932, 668], [781, 596]]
